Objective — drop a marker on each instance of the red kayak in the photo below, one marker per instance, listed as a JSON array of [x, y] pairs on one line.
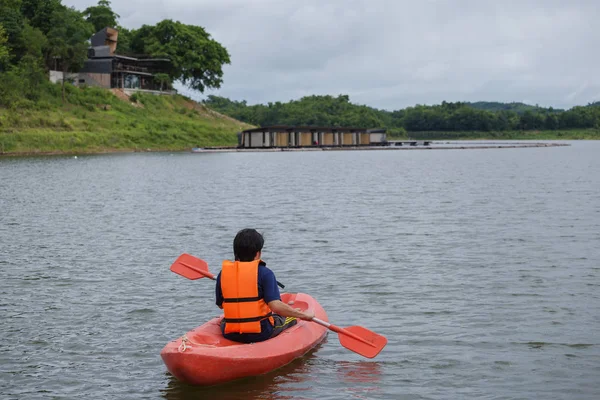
[[204, 357]]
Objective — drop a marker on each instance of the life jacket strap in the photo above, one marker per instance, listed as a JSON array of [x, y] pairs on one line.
[[242, 320], [241, 300]]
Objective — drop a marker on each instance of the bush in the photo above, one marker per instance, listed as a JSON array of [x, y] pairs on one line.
[[11, 88], [22, 104]]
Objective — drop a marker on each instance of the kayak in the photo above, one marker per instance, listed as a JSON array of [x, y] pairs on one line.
[[204, 357]]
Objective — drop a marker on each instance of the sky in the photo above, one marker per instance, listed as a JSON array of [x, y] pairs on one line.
[[392, 54]]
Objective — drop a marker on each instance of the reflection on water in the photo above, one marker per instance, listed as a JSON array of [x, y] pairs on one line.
[[359, 372], [362, 378], [293, 378]]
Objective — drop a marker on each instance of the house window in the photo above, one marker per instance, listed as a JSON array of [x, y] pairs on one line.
[[132, 82]]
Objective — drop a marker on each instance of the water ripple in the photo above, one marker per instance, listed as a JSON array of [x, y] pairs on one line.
[[480, 268]]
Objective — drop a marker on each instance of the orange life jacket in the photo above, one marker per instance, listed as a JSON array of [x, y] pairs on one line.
[[242, 307]]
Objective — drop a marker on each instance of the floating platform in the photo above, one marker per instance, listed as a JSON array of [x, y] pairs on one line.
[[405, 145]]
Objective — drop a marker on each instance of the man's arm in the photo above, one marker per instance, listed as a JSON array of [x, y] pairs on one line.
[[279, 307], [273, 298], [218, 292]]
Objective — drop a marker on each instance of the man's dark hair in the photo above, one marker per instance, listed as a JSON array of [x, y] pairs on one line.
[[246, 244]]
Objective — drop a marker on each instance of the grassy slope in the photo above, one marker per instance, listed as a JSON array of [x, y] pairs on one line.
[[96, 120]]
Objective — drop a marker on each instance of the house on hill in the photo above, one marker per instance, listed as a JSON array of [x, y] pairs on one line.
[[106, 69]]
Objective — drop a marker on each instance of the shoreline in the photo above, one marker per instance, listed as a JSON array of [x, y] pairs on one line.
[[230, 149], [88, 153]]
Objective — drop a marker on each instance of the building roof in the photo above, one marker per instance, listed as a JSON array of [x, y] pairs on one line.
[[106, 37], [104, 45], [296, 128], [119, 56]]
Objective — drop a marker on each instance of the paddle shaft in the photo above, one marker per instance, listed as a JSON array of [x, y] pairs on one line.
[[211, 276], [200, 271], [337, 329]]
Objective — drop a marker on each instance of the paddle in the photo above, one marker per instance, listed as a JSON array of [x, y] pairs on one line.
[[194, 268], [191, 267], [356, 338]]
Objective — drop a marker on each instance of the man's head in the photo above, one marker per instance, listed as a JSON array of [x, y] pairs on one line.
[[247, 245]]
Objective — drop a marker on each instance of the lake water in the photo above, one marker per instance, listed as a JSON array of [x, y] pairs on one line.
[[482, 268]]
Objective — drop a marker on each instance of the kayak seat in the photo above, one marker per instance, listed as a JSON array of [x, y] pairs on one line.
[[302, 305], [203, 339]]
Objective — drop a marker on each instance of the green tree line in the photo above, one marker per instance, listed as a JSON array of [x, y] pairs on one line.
[[446, 117], [40, 35]]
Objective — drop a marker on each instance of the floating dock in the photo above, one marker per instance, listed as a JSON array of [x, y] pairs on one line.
[[394, 145]]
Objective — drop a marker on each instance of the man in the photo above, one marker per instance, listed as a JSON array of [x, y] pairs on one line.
[[248, 294]]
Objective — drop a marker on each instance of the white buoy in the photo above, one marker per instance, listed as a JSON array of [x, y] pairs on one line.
[[75, 157]]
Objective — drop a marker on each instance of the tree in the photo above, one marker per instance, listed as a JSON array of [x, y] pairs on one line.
[[67, 40], [12, 22], [532, 120], [124, 42], [40, 12], [552, 122], [163, 79], [4, 54], [197, 59], [33, 42], [32, 74], [101, 16]]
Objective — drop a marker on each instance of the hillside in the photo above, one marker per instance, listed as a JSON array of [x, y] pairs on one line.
[[468, 120], [97, 120], [517, 107]]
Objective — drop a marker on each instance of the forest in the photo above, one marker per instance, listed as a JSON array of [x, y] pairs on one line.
[[39, 35], [445, 117]]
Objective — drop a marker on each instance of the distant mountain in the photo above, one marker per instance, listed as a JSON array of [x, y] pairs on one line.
[[517, 107]]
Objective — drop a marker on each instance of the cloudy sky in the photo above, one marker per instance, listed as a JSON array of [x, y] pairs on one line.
[[392, 54]]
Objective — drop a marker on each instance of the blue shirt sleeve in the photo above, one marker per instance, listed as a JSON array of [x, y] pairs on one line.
[[268, 284], [218, 292]]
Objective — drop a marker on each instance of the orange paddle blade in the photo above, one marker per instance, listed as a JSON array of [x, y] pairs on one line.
[[191, 267], [362, 341]]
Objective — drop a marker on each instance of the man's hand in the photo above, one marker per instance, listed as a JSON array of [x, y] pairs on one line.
[[306, 316], [278, 307]]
